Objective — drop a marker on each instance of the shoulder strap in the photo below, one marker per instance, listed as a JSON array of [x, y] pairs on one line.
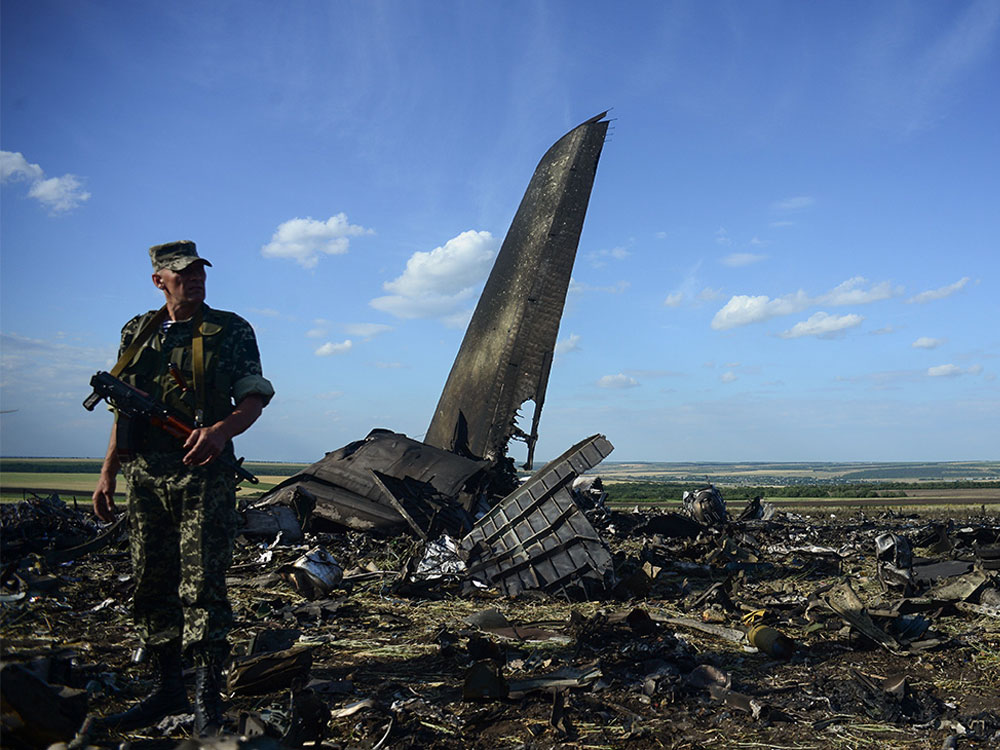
[[198, 368], [139, 340]]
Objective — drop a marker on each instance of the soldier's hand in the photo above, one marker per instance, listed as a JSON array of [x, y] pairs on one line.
[[204, 445], [104, 499]]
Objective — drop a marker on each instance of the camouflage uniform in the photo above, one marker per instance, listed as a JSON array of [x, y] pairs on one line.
[[183, 518]]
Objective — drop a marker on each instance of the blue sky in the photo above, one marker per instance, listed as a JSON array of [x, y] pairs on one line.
[[790, 252]]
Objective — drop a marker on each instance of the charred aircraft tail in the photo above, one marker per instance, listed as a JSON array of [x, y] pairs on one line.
[[506, 354]]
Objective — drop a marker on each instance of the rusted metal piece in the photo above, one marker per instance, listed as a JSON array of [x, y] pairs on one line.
[[538, 538], [770, 641], [506, 354]]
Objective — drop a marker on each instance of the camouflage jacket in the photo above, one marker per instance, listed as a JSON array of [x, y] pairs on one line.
[[232, 369]]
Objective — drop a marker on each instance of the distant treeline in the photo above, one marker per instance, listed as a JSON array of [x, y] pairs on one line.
[[665, 492], [898, 472], [93, 466]]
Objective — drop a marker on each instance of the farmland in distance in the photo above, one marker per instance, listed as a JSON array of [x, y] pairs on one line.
[[895, 484]]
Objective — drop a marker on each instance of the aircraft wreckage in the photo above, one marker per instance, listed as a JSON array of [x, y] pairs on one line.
[[767, 628], [389, 482]]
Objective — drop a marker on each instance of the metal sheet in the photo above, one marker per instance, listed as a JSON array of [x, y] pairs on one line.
[[346, 493], [538, 538]]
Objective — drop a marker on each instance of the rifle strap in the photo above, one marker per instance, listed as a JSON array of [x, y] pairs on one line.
[[139, 341], [198, 369]]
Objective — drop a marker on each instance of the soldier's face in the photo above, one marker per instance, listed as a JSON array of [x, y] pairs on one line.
[[183, 287]]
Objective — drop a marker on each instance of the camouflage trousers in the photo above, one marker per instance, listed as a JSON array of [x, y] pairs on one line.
[[182, 524]]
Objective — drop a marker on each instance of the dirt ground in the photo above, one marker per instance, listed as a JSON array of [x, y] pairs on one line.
[[658, 663]]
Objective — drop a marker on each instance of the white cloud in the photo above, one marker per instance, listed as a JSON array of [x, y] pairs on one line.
[[457, 319], [617, 381], [796, 203], [728, 377], [925, 342], [58, 194], [460, 263], [850, 293], [738, 260], [708, 294], [569, 344], [598, 258], [743, 309], [423, 306], [883, 330], [320, 329], [686, 289], [304, 240], [950, 370], [13, 166], [436, 284], [366, 330], [935, 294], [722, 237], [43, 369], [822, 325], [330, 348], [943, 371]]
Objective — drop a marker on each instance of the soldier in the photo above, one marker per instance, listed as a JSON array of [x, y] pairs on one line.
[[181, 501]]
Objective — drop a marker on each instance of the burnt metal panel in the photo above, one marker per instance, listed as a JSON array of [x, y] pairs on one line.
[[340, 506], [538, 538], [343, 485], [506, 354], [427, 511]]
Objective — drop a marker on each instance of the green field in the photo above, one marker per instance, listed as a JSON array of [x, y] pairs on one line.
[[77, 477], [967, 484]]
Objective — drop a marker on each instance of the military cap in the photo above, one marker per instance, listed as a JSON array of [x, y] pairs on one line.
[[175, 256]]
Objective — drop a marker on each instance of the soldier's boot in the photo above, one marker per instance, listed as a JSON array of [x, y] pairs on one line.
[[208, 705], [168, 696]]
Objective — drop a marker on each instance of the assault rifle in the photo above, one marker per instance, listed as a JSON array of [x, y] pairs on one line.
[[134, 404]]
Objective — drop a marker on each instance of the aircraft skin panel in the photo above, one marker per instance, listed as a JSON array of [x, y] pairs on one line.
[[506, 354]]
